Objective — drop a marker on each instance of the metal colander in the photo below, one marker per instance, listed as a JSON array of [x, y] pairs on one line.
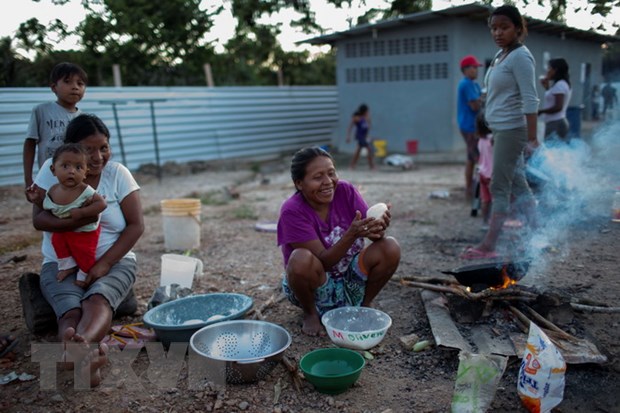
[[247, 349]]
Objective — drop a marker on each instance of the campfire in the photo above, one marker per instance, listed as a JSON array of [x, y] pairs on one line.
[[506, 281], [494, 311]]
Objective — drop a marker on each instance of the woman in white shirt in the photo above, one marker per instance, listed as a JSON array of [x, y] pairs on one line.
[[556, 100], [85, 314]]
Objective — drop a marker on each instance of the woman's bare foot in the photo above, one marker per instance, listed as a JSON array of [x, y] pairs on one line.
[[90, 366], [78, 352], [67, 341], [312, 325]]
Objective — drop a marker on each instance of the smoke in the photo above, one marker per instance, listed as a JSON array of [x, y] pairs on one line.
[[573, 183]]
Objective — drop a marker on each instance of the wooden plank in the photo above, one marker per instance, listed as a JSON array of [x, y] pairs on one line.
[[444, 330], [488, 343], [579, 351]]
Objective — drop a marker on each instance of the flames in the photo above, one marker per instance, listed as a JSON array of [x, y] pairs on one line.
[[506, 281]]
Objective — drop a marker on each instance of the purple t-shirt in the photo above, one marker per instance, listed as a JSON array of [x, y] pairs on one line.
[[298, 222]]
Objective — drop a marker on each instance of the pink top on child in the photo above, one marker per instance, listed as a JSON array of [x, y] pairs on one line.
[[485, 161]]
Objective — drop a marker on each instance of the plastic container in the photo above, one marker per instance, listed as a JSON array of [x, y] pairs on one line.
[[615, 208], [181, 222], [380, 148], [412, 147], [177, 320], [332, 370], [179, 269], [357, 328]]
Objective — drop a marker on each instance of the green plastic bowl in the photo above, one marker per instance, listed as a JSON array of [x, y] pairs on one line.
[[332, 370]]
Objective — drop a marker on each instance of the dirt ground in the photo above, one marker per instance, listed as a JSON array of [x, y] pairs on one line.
[[432, 232]]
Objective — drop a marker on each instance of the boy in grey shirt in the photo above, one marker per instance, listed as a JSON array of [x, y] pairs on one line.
[[46, 129]]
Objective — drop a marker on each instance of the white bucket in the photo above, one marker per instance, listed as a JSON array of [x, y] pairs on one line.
[[181, 218], [179, 269]]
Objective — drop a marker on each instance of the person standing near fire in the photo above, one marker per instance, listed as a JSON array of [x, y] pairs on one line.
[[511, 111], [469, 102]]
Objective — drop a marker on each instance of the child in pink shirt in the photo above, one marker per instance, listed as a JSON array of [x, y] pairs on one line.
[[485, 166]]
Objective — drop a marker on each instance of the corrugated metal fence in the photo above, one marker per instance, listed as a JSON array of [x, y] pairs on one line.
[[189, 123]]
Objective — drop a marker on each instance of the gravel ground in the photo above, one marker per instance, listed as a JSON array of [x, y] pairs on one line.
[[581, 264]]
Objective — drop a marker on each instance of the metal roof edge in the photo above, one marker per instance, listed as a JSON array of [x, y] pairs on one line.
[[467, 10]]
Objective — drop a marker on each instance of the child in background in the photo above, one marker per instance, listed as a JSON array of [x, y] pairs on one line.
[[360, 121], [46, 129], [485, 167], [72, 198]]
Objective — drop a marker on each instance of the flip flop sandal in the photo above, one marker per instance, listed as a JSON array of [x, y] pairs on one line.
[[134, 331], [115, 341], [472, 253], [10, 345]]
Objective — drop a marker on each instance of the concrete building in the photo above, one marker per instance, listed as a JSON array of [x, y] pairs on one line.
[[407, 71]]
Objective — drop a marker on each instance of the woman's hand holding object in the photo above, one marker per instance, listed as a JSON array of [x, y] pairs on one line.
[[380, 215]]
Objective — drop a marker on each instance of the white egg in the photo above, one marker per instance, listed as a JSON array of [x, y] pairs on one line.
[[376, 211]]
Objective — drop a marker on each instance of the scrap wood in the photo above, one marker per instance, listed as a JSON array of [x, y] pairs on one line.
[[292, 368], [431, 280], [444, 330], [508, 294], [257, 313], [578, 352], [594, 308], [457, 290], [503, 294], [544, 323], [588, 301]]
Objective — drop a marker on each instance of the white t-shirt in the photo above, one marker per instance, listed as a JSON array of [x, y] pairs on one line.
[[559, 88], [115, 184]]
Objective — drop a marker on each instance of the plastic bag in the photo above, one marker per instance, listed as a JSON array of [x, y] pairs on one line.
[[476, 381], [541, 376], [167, 293]]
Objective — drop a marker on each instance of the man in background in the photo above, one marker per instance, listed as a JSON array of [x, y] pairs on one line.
[[609, 97]]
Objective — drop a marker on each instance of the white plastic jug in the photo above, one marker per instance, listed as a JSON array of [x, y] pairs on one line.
[[179, 269]]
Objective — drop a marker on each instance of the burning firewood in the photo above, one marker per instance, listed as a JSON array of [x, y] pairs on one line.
[[507, 294]]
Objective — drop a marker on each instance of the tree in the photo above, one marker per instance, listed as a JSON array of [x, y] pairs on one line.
[[142, 34], [397, 8], [9, 62]]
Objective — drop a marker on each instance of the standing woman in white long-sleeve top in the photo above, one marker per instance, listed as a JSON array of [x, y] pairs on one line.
[[511, 112], [556, 100]]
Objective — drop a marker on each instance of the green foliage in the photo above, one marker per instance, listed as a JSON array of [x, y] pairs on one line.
[[244, 212], [397, 8]]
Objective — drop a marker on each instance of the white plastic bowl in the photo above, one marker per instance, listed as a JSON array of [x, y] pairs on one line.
[[357, 328]]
